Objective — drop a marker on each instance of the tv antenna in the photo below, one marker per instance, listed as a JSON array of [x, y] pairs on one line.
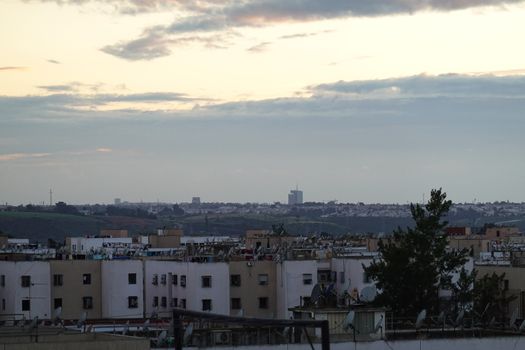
[[421, 318]]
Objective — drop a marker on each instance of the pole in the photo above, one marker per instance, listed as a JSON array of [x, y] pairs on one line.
[[178, 333], [325, 336]]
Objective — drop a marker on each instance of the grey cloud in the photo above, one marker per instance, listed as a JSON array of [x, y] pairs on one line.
[[425, 85], [260, 47], [7, 68], [57, 88], [54, 61]]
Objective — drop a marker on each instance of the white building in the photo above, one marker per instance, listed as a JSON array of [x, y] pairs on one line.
[[122, 289], [350, 274], [84, 245], [295, 281], [189, 285], [295, 197], [25, 290]]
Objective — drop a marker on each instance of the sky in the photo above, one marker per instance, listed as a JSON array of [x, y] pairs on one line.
[[359, 101]]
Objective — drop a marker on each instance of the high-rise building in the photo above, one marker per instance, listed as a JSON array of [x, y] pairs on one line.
[[118, 201], [196, 201], [295, 197]]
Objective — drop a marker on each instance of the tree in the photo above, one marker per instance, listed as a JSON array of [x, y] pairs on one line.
[[415, 263], [490, 297]]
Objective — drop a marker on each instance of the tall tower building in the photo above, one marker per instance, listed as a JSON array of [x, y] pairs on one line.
[[295, 197]]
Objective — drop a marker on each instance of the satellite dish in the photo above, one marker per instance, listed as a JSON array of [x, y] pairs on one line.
[[187, 333], [513, 319], [421, 318], [459, 319], [492, 322], [146, 325], [379, 325], [126, 328], [368, 294], [162, 337], [316, 293], [522, 326], [82, 319], [57, 313], [348, 323]]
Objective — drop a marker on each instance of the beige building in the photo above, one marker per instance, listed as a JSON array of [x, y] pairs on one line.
[[114, 233], [514, 284], [475, 245], [501, 232], [76, 286], [266, 239], [253, 288], [165, 238]]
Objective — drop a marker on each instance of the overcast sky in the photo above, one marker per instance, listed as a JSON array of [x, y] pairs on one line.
[[372, 101]]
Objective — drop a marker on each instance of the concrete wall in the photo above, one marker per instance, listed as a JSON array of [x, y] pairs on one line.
[[116, 289]]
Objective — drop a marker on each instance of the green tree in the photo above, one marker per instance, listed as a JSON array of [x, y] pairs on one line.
[[490, 296], [415, 263]]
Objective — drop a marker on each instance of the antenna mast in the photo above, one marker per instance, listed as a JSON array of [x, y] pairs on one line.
[[50, 197]]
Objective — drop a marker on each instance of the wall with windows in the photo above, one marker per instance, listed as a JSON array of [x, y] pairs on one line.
[[195, 286], [253, 288], [295, 280], [76, 286], [122, 289], [24, 289], [351, 277]]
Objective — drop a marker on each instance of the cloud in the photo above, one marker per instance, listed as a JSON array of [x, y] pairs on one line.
[[260, 47], [8, 68], [16, 156], [104, 150], [57, 88], [54, 61]]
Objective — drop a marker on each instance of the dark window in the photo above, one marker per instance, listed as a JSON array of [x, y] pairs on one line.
[[26, 281], [236, 303], [58, 280], [87, 303], [163, 279], [2, 280], [174, 302], [155, 301], [132, 278], [505, 284], [307, 278], [235, 280], [206, 281], [263, 279], [57, 302], [133, 302], [3, 304], [163, 302], [26, 305], [86, 278], [155, 279], [174, 279], [183, 303], [263, 303], [206, 304], [183, 280]]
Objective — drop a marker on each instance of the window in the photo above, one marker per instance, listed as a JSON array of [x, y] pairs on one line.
[[155, 279], [236, 303], [183, 280], [183, 303], [58, 280], [87, 303], [133, 302], [3, 304], [26, 305], [235, 280], [366, 278], [163, 279], [307, 278], [263, 303], [206, 304], [174, 280], [174, 302], [132, 278], [2, 280], [206, 281], [163, 302], [86, 278], [155, 301], [26, 281], [57, 302], [263, 279]]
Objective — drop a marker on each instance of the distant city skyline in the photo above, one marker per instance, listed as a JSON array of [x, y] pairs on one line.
[[234, 101]]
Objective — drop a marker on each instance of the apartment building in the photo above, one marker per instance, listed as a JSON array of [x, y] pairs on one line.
[[24, 290], [253, 288], [349, 274], [76, 286], [122, 288], [189, 285]]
